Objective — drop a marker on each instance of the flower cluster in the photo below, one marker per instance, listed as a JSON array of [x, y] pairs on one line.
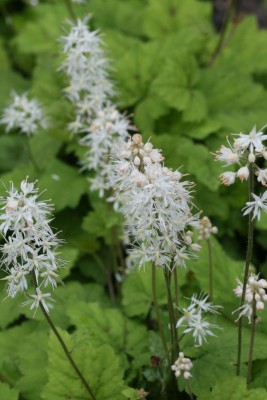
[[182, 365], [193, 320], [246, 150], [23, 114], [156, 204], [255, 291], [91, 90], [206, 229], [30, 250]]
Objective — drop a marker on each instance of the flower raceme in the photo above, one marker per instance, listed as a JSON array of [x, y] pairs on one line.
[[97, 120], [246, 149], [23, 114], [255, 291], [30, 250], [156, 203]]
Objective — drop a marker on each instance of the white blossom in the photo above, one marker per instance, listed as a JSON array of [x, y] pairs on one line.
[[194, 322], [255, 291], [256, 206], [23, 114], [182, 366], [30, 244]]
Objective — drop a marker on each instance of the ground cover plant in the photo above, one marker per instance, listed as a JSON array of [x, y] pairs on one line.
[[133, 203]]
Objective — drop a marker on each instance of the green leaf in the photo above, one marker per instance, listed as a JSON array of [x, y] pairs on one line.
[[41, 29], [63, 179], [99, 365], [33, 353], [216, 361], [101, 221], [225, 272], [69, 256], [11, 341], [109, 326], [12, 151], [163, 17], [233, 388], [6, 393]]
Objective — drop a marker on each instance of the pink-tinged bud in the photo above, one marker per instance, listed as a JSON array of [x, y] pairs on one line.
[[264, 154], [195, 247], [188, 240], [264, 297], [251, 157], [214, 230], [243, 173], [260, 305], [187, 375], [137, 161], [228, 178], [137, 138], [125, 154], [262, 283]]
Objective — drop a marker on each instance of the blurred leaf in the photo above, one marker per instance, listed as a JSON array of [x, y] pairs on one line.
[[233, 388], [6, 393]]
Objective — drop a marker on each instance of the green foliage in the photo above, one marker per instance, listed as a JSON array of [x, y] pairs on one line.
[[7, 393], [233, 389], [101, 369], [186, 101]]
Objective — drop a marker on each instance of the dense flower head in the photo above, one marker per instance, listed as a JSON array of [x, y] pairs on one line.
[[156, 203], [255, 291], [23, 114], [245, 150], [182, 366], [206, 229], [30, 249], [194, 321]]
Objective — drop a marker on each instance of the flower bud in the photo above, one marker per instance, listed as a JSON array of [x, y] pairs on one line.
[[137, 161], [251, 157], [228, 178], [243, 173]]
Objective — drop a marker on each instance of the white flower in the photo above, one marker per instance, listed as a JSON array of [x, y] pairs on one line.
[[39, 298], [252, 141], [228, 178], [193, 320], [262, 176], [182, 365], [206, 229], [256, 206], [255, 291], [227, 155], [23, 114]]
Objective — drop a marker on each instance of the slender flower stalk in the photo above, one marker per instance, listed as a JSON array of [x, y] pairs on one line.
[[206, 229], [157, 310], [246, 272], [252, 339], [174, 335]]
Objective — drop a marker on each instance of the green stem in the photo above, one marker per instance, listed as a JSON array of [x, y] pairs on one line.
[[108, 274], [156, 305], [176, 291], [174, 337], [30, 155], [210, 270], [61, 341], [248, 260], [70, 10], [189, 390], [221, 42], [252, 339]]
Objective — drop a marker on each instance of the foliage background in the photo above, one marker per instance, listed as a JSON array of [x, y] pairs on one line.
[[163, 69]]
